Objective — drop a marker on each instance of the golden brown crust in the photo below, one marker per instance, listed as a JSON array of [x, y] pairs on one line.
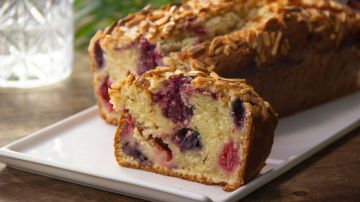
[[170, 20], [260, 144], [270, 40]]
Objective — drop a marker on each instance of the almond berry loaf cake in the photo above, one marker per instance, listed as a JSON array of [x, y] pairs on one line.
[[193, 126], [295, 53]]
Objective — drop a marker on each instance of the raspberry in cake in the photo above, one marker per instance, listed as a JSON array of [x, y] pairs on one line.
[[193, 126]]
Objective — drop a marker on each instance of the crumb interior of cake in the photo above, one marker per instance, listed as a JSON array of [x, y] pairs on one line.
[[206, 143]]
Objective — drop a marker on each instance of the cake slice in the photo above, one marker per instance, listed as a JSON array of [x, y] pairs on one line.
[[193, 126]]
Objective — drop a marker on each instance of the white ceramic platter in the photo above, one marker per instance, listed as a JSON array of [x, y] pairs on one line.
[[79, 149]]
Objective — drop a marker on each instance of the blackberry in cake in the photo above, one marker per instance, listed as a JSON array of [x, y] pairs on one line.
[[306, 51], [193, 126]]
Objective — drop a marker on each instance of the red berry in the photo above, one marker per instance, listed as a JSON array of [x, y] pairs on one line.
[[98, 55], [229, 158], [160, 145], [128, 127], [149, 58], [104, 94], [171, 102]]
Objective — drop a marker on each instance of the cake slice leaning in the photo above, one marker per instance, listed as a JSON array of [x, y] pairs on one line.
[[192, 126]]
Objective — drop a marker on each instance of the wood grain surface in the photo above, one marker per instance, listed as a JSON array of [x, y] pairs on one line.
[[331, 175]]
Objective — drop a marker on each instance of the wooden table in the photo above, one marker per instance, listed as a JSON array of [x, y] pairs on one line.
[[331, 175]]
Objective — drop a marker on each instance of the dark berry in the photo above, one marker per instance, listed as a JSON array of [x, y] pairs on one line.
[[171, 102], [187, 139], [229, 157], [128, 127], [104, 94], [163, 147], [238, 112], [99, 55], [149, 57], [355, 4], [133, 151]]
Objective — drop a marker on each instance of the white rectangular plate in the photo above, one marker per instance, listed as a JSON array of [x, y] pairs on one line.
[[80, 149]]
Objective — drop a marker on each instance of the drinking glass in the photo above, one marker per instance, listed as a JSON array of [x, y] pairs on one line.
[[36, 42]]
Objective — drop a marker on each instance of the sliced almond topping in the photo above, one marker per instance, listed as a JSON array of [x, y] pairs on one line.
[[136, 20], [276, 44], [169, 27], [162, 20], [157, 14], [214, 44], [219, 50], [196, 49], [320, 28], [227, 50], [214, 75], [342, 17]]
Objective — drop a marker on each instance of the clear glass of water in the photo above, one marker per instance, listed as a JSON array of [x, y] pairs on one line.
[[36, 42]]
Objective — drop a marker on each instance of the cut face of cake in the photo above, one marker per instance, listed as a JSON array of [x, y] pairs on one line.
[[189, 125]]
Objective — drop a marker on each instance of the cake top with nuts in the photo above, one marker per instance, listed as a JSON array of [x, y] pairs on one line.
[[224, 89]]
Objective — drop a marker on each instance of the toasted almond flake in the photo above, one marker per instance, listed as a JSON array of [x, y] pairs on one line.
[[214, 44], [276, 44], [211, 68], [342, 17], [196, 49], [335, 5], [162, 20], [252, 40], [172, 9], [136, 20], [169, 27], [219, 50], [152, 29], [209, 61], [327, 13], [320, 28], [227, 50], [233, 45], [198, 65], [147, 7], [128, 18], [144, 26], [186, 14], [157, 14], [215, 76]]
